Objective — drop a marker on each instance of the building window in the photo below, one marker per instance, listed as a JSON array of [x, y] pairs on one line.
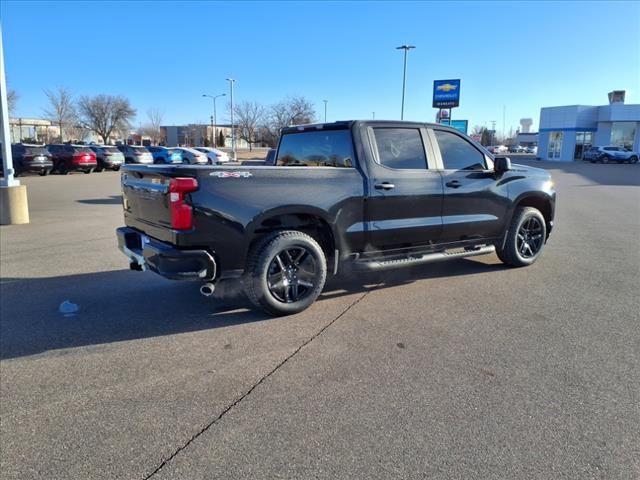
[[555, 145], [623, 134]]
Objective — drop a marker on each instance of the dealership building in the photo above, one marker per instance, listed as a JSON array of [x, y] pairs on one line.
[[564, 133]]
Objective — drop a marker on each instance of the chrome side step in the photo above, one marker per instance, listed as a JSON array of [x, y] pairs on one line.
[[375, 265]]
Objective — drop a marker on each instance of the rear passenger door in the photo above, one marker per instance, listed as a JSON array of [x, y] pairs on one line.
[[475, 201], [404, 206]]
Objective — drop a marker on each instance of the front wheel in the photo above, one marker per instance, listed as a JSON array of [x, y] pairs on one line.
[[633, 159], [526, 238], [286, 272]]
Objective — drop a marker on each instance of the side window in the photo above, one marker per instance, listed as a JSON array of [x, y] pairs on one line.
[[457, 153], [400, 148]]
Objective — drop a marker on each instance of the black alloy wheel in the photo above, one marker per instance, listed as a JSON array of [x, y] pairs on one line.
[[291, 275], [286, 272], [529, 239]]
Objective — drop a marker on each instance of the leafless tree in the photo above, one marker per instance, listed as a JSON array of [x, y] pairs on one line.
[[290, 111], [61, 110], [250, 116], [152, 127], [105, 114], [12, 100]]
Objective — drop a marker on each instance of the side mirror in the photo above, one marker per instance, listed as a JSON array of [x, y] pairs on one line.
[[502, 164]]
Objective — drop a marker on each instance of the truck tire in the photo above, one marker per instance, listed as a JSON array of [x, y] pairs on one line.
[[286, 272], [526, 238]]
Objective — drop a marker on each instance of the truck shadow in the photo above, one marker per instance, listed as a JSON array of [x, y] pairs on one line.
[[120, 305]]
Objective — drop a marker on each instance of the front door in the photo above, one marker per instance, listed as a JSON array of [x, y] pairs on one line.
[[405, 195], [475, 202]]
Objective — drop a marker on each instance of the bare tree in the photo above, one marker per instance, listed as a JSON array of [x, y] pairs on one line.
[[152, 127], [250, 116], [105, 114], [61, 110], [290, 111], [12, 100]]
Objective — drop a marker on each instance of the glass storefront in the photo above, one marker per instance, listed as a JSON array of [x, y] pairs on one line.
[[555, 145], [584, 140], [623, 134]]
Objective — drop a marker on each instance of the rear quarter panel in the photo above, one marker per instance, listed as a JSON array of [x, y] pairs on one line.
[[230, 210]]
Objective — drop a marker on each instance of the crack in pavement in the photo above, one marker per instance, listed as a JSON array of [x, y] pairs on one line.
[[255, 385]]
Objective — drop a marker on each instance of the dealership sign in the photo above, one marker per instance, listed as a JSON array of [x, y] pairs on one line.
[[446, 93], [460, 125]]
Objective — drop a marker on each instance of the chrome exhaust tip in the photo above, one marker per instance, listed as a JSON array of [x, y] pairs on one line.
[[207, 289]]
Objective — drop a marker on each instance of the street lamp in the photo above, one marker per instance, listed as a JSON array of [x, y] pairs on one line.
[[406, 48], [215, 122], [325, 110], [233, 131]]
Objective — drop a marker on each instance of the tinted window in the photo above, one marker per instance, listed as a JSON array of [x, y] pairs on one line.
[[153, 149], [329, 148], [82, 150], [612, 149], [400, 148], [457, 153]]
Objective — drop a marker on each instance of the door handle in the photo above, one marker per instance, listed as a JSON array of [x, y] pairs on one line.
[[384, 186], [453, 184]]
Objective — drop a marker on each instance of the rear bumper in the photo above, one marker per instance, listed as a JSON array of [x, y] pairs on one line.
[[146, 253]]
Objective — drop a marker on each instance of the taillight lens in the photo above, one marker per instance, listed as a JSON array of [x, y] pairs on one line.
[[181, 212]]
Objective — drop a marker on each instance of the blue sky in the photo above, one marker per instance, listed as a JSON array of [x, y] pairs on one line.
[[165, 54]]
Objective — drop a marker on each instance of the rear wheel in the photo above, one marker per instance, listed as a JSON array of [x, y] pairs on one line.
[[44, 173], [526, 238], [62, 170], [88, 171], [286, 272], [634, 159]]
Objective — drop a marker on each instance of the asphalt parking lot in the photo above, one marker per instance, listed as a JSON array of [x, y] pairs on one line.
[[457, 370]]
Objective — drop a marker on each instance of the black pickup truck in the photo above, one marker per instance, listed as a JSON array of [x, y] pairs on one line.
[[352, 195]]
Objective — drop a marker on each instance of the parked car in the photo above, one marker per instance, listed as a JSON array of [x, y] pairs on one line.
[[135, 154], [29, 158], [610, 154], [193, 156], [284, 229], [68, 158], [533, 150], [497, 149], [214, 155], [271, 157], [165, 155], [108, 157], [516, 149]]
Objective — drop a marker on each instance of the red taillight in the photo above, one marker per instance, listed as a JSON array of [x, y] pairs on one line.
[[181, 212]]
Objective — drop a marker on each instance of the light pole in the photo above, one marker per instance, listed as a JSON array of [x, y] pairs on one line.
[[233, 131], [325, 110], [215, 122], [406, 48]]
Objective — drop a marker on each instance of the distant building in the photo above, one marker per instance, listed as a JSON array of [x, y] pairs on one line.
[[566, 132], [527, 139], [197, 135]]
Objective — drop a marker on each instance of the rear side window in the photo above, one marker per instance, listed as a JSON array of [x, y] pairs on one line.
[[400, 148], [457, 153], [325, 148]]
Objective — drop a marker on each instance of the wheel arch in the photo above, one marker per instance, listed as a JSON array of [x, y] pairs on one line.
[[543, 203], [309, 220]]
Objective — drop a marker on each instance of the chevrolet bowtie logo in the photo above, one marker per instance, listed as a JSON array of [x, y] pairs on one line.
[[446, 87]]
